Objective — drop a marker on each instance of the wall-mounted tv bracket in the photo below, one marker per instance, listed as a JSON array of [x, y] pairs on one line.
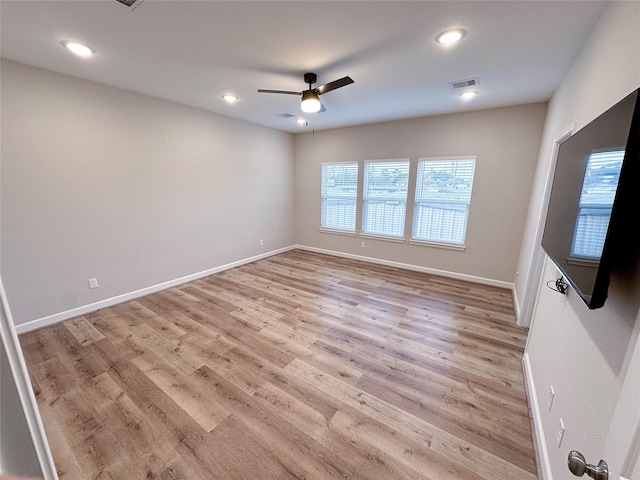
[[560, 285]]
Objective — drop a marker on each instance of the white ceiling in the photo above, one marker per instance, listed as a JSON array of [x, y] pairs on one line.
[[191, 52]]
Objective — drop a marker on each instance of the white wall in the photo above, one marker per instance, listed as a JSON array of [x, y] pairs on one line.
[[103, 183], [584, 354], [505, 142]]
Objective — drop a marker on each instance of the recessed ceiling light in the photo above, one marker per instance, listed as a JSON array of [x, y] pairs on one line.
[[301, 121], [229, 98], [78, 48], [450, 36], [468, 94]]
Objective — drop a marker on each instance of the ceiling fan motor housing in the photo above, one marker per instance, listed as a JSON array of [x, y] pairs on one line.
[[310, 78]]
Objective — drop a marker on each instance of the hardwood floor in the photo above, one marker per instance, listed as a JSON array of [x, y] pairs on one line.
[[298, 366]]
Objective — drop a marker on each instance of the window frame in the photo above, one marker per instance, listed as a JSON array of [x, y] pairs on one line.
[[365, 198], [418, 200], [324, 196]]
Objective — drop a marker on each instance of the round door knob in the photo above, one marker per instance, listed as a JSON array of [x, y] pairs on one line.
[[578, 466]]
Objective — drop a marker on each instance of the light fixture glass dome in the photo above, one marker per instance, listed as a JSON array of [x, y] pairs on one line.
[[310, 102]]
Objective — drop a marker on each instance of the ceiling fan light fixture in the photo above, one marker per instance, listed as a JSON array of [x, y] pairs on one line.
[[310, 102], [451, 36]]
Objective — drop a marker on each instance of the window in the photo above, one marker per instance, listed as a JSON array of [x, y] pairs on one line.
[[443, 194], [596, 200], [384, 201], [339, 193]]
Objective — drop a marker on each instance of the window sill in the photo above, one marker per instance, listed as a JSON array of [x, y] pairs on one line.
[[447, 246], [386, 238], [335, 231]]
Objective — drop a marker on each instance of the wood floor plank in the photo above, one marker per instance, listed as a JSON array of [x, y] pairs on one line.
[[294, 411], [182, 432], [176, 385], [147, 452], [293, 448], [297, 366], [507, 440], [83, 331], [419, 460], [477, 459], [324, 404]]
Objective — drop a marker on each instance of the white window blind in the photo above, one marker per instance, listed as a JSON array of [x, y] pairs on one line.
[[443, 195], [596, 200], [384, 201], [339, 194]]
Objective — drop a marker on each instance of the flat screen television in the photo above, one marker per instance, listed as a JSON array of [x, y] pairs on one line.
[[593, 216]]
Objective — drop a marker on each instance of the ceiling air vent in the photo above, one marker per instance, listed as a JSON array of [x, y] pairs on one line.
[[132, 4], [285, 115], [465, 83]]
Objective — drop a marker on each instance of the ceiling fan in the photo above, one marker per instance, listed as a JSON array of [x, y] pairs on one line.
[[310, 98]]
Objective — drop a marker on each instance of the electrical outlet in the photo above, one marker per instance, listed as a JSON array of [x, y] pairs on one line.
[[93, 283], [552, 394], [261, 242], [362, 244], [560, 432]]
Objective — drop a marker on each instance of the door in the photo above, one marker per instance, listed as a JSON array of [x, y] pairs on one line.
[[621, 450], [536, 265], [622, 446], [23, 444]]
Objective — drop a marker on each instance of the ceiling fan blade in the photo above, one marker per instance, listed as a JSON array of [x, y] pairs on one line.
[[327, 87], [322, 109], [286, 92]]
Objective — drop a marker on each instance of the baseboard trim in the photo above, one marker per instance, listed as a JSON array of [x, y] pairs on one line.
[[109, 302], [516, 306], [408, 266], [542, 455]]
